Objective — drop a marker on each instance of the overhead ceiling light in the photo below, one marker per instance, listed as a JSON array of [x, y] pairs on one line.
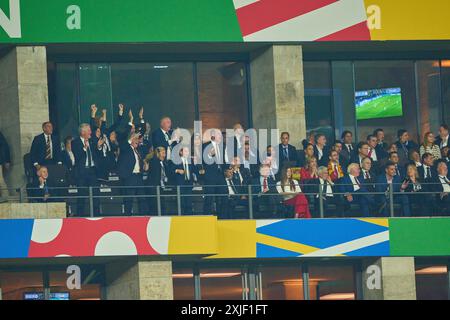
[[160, 67], [207, 275], [432, 270]]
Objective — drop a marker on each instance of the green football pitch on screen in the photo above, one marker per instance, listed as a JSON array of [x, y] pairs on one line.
[[382, 107]]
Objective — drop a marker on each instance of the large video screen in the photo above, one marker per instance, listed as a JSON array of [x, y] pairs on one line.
[[378, 103]]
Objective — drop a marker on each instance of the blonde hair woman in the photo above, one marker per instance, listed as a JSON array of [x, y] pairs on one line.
[[428, 146]]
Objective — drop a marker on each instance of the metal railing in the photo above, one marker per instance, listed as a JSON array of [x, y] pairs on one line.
[[247, 203]]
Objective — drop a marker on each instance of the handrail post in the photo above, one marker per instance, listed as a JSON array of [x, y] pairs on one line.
[[179, 200], [321, 201], [91, 203], [391, 200], [250, 202], [158, 199]]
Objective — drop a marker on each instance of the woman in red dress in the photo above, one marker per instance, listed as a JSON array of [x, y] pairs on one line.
[[290, 189]]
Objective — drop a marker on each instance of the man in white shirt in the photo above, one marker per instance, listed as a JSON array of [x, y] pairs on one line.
[[443, 139], [325, 186], [442, 186]]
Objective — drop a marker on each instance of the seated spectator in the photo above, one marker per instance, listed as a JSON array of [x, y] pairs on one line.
[[272, 162], [251, 160], [159, 177], [335, 170], [45, 148], [5, 162], [241, 175], [412, 185], [415, 158], [327, 186], [292, 194], [310, 140], [361, 153], [404, 146], [390, 179], [427, 172], [395, 160], [429, 146], [308, 152], [321, 151], [348, 148], [374, 153], [234, 197], [309, 171], [442, 186], [381, 145], [68, 159], [342, 160], [264, 188], [287, 154], [354, 190], [368, 176], [443, 139], [445, 152]]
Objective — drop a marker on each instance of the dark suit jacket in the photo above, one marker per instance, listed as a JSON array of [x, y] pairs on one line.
[[437, 185], [66, 159], [38, 148], [382, 185], [346, 153], [179, 179], [381, 151], [438, 141], [369, 183], [325, 157], [404, 156], [421, 171], [81, 155], [292, 155], [155, 171], [346, 185], [127, 161], [159, 140], [214, 171], [5, 156], [256, 185]]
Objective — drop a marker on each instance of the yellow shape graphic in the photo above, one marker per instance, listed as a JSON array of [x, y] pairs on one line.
[[378, 221], [411, 19], [237, 239], [285, 244], [193, 235]]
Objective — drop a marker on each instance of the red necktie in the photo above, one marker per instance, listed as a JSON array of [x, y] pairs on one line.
[[336, 172], [265, 184], [370, 153]]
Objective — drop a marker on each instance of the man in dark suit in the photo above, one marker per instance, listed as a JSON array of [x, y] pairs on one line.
[[41, 189], [159, 177], [367, 174], [343, 160], [287, 154], [374, 152], [185, 174], [130, 168], [251, 160], [348, 147], [234, 144], [45, 148], [442, 140], [362, 151], [214, 156], [241, 176], [264, 193], [428, 174], [162, 137], [234, 196], [68, 159], [5, 162], [321, 151], [387, 181], [395, 160], [381, 145], [442, 187], [404, 145], [86, 151], [351, 185]]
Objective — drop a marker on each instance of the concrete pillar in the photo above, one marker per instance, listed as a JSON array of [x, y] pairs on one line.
[[397, 282], [23, 104], [137, 279], [277, 88]]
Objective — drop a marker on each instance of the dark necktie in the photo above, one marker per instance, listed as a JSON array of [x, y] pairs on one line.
[[48, 149], [286, 155], [428, 173], [367, 175], [233, 186], [89, 155], [138, 156], [324, 190], [186, 174]]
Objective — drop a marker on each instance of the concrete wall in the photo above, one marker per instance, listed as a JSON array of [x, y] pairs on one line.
[[398, 279], [137, 279], [23, 104], [54, 210], [277, 89]]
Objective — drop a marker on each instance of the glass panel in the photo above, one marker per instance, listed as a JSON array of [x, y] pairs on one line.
[[222, 94], [66, 100], [95, 88], [386, 110], [445, 74], [282, 283], [432, 281], [163, 89], [22, 285], [183, 284], [332, 282], [221, 284], [428, 82], [91, 280], [344, 97], [318, 98]]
